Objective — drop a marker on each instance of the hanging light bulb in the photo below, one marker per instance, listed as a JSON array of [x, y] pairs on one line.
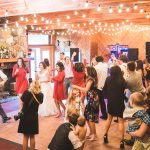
[[6, 13], [127, 9], [5, 26], [7, 21], [47, 21], [35, 21], [147, 16], [25, 27], [58, 20], [17, 24], [42, 19], [135, 7], [84, 15], [110, 10], [75, 12], [26, 19], [119, 10], [121, 5], [99, 8], [22, 18], [34, 15], [141, 10], [86, 4], [68, 17]]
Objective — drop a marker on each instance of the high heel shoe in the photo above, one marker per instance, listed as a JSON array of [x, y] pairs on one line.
[[105, 138], [122, 144]]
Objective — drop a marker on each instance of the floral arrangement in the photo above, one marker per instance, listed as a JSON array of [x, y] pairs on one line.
[[4, 50]]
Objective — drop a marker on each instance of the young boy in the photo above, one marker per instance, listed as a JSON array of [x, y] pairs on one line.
[[80, 130]]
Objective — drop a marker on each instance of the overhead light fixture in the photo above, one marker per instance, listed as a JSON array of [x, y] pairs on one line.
[[58, 20], [22, 18], [26, 19], [75, 12], [35, 21], [17, 24], [42, 19], [121, 5], [34, 15], [148, 16], [83, 15], [68, 17], [127, 9]]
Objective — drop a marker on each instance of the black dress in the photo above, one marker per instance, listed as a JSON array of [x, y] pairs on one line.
[[114, 92], [91, 112], [29, 122]]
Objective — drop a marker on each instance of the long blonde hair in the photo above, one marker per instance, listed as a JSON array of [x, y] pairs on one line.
[[35, 87]]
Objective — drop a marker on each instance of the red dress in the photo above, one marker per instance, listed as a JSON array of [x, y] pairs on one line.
[[59, 90], [21, 80], [78, 78]]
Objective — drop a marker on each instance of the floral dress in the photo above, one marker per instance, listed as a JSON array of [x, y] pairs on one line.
[[91, 112]]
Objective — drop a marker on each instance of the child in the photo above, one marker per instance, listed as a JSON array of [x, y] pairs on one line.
[[74, 103], [80, 130], [138, 114]]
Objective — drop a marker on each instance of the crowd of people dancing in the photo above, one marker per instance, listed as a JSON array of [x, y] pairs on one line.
[[117, 88]]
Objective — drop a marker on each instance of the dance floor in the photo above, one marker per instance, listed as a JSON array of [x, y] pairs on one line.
[[48, 125]]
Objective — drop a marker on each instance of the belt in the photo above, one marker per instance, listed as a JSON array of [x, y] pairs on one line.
[[69, 78]]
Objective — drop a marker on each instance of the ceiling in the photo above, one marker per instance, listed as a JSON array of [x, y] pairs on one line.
[[74, 14]]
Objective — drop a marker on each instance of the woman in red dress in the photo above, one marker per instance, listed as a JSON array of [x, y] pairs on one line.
[[59, 90], [20, 72]]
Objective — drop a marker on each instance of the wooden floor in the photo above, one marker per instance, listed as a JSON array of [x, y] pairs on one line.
[[47, 129]]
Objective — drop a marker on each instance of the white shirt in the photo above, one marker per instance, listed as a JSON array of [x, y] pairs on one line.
[[101, 69], [2, 75], [68, 70]]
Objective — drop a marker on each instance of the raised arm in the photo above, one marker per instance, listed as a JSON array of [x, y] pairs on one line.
[[86, 89], [59, 77], [141, 131]]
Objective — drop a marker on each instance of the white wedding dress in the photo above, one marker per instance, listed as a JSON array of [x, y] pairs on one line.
[[48, 106]]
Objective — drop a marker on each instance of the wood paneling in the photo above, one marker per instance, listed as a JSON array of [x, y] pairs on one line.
[[132, 39]]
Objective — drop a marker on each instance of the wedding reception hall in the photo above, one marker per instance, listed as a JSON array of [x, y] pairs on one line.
[[74, 74]]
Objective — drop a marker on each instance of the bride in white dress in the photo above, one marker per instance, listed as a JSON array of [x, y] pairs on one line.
[[48, 106]]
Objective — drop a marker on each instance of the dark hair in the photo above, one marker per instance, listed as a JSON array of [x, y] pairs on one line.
[[73, 118], [99, 58], [62, 53], [81, 121], [131, 66], [46, 61], [92, 73], [79, 67], [44, 65], [61, 66], [139, 65], [116, 72], [23, 63], [123, 58]]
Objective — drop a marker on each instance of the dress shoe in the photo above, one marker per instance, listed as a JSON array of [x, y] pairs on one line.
[[122, 144], [103, 117], [5, 119], [105, 138], [129, 142]]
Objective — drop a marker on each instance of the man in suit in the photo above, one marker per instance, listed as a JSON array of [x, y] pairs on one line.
[[2, 112]]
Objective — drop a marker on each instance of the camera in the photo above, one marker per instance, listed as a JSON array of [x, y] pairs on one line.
[[18, 116]]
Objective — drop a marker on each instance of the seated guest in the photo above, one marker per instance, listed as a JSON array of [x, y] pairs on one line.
[[138, 113], [142, 135], [64, 138], [2, 112]]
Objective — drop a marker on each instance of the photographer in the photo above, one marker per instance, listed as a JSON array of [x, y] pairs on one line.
[[28, 124]]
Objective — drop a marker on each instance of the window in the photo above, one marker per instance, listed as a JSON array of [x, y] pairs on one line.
[[38, 39]]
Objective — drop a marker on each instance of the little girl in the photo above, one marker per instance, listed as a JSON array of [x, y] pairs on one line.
[[74, 103]]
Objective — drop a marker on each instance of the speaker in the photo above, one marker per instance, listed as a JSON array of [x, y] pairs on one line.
[[148, 51], [133, 54], [76, 58]]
